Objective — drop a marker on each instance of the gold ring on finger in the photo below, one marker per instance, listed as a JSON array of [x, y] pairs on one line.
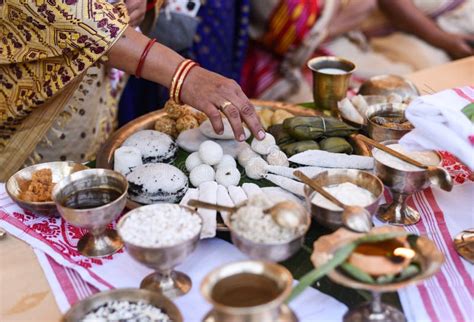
[[224, 105]]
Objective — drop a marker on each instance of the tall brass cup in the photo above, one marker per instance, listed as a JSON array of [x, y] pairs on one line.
[[329, 88]]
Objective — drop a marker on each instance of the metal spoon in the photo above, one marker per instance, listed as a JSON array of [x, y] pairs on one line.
[[355, 218], [286, 214], [438, 176]]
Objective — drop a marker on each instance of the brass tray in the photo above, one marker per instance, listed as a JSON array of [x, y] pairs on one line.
[[105, 157]]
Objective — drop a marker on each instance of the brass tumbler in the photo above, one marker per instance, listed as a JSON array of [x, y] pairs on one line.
[[331, 77]]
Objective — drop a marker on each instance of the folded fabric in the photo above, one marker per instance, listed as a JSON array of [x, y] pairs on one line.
[[440, 124]]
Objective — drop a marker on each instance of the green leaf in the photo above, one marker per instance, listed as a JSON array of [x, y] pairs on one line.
[[468, 110], [357, 273]]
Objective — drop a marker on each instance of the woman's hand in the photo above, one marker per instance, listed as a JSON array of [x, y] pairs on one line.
[[136, 11], [457, 45], [210, 92]]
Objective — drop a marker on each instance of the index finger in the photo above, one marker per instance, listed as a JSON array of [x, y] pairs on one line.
[[247, 111]]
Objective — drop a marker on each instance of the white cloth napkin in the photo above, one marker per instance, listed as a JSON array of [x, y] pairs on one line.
[[440, 124]]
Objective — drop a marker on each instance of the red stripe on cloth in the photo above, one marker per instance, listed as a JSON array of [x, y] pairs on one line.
[[435, 295], [66, 284], [448, 240], [463, 95], [11, 220], [431, 221], [425, 297]]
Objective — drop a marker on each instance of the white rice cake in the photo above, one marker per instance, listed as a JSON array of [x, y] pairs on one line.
[[208, 193], [251, 189], [228, 134], [333, 160], [190, 140], [224, 200], [237, 194], [288, 184]]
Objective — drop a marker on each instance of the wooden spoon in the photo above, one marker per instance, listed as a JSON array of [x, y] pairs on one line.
[[438, 176]]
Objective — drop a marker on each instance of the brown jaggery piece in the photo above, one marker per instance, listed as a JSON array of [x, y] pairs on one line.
[[39, 188]]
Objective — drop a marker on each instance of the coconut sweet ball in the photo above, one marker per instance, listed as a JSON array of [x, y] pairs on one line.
[[157, 182], [154, 146]]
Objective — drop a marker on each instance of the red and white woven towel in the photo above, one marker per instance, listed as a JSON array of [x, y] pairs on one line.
[[73, 277]]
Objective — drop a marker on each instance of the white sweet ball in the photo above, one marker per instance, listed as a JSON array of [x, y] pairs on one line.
[[245, 155], [277, 157], [210, 152], [226, 161], [201, 173], [228, 176], [192, 161], [256, 168], [264, 146]]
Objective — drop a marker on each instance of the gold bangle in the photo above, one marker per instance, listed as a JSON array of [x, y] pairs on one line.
[[176, 76], [181, 79]]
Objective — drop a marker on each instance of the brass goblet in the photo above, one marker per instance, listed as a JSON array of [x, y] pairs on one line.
[[248, 291], [331, 77], [92, 199], [428, 256], [163, 260]]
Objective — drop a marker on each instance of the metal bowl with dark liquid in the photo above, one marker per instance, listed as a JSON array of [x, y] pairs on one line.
[[60, 170], [92, 199], [381, 120]]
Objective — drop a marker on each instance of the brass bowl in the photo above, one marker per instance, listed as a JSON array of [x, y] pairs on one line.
[[389, 84], [60, 170], [332, 219], [80, 309], [270, 252], [260, 277], [426, 254], [162, 259], [382, 133]]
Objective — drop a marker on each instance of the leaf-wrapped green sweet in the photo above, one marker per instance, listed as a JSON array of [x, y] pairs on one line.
[[297, 147], [281, 136], [314, 127], [336, 145]]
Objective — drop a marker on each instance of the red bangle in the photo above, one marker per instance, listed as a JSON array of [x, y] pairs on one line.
[[138, 71], [150, 5]]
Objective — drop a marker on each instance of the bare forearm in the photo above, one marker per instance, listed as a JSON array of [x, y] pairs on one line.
[[159, 65], [407, 17]]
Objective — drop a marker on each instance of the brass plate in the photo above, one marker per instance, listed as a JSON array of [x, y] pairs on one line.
[[429, 256], [464, 244], [105, 157]]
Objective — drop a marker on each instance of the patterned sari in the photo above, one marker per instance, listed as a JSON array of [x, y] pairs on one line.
[[55, 96]]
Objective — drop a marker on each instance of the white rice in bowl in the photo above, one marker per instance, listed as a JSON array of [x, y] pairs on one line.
[[250, 222], [160, 225]]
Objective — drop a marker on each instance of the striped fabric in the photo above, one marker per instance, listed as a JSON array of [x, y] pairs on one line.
[[73, 277]]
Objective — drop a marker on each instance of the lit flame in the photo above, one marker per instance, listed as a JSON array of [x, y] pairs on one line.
[[404, 252]]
